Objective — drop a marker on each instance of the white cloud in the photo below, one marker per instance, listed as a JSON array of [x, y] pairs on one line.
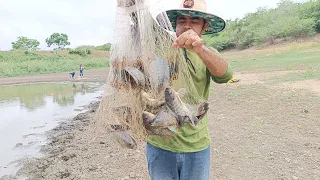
[[83, 21]]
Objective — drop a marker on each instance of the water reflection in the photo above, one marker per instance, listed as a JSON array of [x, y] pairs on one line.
[[32, 96], [29, 110]]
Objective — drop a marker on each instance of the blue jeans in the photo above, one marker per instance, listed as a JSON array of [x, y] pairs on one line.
[[166, 165]]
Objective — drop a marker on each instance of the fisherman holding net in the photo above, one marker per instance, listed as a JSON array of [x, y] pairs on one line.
[[149, 66], [187, 155]]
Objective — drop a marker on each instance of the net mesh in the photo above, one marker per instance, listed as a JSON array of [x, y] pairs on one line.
[[142, 64]]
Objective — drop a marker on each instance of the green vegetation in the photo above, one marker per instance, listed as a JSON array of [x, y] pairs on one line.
[[58, 40], [17, 63], [301, 59], [25, 44], [288, 20], [86, 50], [274, 59], [82, 50], [24, 59], [104, 47]]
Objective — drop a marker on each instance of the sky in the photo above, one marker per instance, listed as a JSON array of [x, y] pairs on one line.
[[88, 22]]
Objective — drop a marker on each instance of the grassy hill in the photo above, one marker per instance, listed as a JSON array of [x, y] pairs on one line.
[[302, 59], [20, 63]]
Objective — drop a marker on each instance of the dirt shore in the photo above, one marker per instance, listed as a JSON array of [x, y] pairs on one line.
[[89, 76], [259, 131]]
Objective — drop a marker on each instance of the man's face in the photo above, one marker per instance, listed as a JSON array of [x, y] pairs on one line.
[[184, 23]]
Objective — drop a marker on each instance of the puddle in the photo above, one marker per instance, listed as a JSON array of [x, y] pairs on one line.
[[28, 111]]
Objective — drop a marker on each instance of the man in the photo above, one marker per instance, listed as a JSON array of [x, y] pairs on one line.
[[187, 155]]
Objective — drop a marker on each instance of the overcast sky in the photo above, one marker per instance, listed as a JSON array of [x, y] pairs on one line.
[[87, 22]]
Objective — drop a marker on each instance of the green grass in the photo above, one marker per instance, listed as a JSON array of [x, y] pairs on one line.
[[308, 73], [287, 57], [20, 64], [302, 59], [291, 60]]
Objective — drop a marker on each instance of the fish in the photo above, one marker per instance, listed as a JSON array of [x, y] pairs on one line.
[[164, 118], [159, 73], [199, 110], [181, 111], [148, 119], [124, 139], [202, 110], [135, 76]]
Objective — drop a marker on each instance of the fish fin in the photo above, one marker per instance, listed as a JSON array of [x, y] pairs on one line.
[[194, 120], [206, 108], [202, 110]]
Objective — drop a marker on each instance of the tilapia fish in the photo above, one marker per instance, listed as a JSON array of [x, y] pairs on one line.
[[162, 128], [119, 132], [199, 110], [181, 111], [160, 72], [164, 118], [124, 139]]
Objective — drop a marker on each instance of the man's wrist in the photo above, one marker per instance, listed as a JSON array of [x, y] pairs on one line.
[[202, 50]]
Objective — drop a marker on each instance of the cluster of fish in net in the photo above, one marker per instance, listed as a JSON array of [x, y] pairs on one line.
[[149, 87]]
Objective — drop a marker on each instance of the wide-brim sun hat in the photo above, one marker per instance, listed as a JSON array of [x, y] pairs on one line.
[[197, 8]]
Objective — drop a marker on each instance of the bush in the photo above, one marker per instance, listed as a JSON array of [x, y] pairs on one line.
[[30, 53], [289, 19], [105, 47], [85, 47], [81, 52]]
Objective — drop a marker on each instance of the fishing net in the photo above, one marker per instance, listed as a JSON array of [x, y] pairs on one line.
[[142, 64]]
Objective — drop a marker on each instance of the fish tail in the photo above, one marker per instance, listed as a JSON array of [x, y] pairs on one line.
[[194, 120]]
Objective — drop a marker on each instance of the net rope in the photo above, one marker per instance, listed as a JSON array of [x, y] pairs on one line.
[[142, 61]]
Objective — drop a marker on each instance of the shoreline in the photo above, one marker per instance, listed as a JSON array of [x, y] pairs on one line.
[[99, 75], [73, 150], [245, 132], [57, 139]]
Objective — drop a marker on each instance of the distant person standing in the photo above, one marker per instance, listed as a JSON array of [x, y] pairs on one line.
[[81, 70]]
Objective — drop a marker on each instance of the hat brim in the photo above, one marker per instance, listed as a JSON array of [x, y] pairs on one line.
[[216, 24]]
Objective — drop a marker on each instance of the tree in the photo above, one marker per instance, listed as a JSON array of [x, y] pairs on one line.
[[58, 40], [25, 44]]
